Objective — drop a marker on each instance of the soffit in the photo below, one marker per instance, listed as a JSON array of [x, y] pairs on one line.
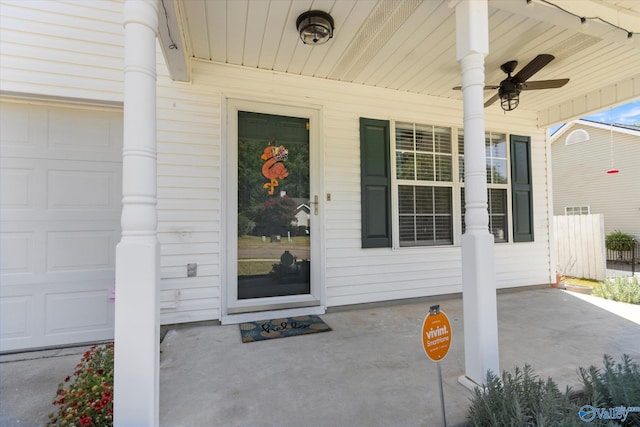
[[410, 46]]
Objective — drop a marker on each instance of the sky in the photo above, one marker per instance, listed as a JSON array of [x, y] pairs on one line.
[[627, 114]]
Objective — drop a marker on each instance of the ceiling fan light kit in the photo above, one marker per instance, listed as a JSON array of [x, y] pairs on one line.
[[510, 88], [509, 94]]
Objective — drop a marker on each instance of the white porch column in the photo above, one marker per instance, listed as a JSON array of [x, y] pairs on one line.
[[137, 327], [478, 271]]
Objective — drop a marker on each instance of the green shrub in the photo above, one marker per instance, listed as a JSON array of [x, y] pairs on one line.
[[623, 289], [619, 241], [522, 399], [245, 225], [87, 398], [617, 384]]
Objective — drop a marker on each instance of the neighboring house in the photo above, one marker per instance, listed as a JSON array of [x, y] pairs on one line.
[[584, 156], [303, 215], [205, 115]]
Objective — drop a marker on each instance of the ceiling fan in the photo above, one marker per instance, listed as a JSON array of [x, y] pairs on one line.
[[510, 88]]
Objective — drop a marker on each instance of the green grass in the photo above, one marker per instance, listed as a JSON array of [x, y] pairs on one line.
[[581, 281], [254, 268], [256, 241]]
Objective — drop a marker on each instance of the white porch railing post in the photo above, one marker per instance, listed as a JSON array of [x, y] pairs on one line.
[[137, 327], [478, 269]]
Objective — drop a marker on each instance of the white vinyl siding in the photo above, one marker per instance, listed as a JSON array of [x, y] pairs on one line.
[[189, 207], [580, 176], [42, 60], [71, 50]]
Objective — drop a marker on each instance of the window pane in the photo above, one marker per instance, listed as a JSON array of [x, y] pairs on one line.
[[424, 138], [407, 229], [443, 168], [496, 154], [405, 165], [442, 200], [498, 214], [496, 171], [405, 199], [442, 139], [496, 145], [500, 175], [432, 221], [444, 230], [424, 200], [425, 229], [425, 166], [497, 201], [404, 137]]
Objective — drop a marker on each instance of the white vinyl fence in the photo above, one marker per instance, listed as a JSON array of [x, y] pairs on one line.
[[580, 248]]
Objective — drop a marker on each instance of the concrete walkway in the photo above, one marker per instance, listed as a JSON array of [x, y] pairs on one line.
[[370, 370]]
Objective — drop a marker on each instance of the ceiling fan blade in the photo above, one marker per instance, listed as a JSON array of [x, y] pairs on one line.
[[544, 84], [532, 67], [485, 88], [491, 100]]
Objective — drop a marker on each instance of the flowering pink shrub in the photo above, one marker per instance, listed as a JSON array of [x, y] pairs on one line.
[[86, 399]]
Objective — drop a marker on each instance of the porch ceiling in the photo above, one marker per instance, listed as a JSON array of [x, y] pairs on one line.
[[410, 45]]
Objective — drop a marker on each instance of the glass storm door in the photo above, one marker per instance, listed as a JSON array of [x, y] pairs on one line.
[[273, 208]]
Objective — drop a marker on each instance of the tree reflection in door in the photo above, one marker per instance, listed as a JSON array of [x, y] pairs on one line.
[[273, 229]]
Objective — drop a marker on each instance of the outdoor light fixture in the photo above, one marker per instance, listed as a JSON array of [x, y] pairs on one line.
[[509, 93], [315, 27]]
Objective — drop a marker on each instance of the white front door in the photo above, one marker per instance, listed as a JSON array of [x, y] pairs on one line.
[[273, 209], [60, 202]]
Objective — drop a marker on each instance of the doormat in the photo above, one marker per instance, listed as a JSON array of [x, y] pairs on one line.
[[283, 327]]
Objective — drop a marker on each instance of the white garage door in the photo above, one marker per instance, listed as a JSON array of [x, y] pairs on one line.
[[60, 198]]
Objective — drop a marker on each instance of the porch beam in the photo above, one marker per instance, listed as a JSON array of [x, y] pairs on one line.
[[478, 270], [137, 327], [170, 35]]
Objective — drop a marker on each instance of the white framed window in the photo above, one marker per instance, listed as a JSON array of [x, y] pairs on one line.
[[424, 184], [577, 210], [576, 136]]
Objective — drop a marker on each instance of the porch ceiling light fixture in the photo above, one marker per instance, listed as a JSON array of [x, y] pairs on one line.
[[315, 27], [509, 93]]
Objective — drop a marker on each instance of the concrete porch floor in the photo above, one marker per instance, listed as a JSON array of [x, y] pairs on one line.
[[370, 370]]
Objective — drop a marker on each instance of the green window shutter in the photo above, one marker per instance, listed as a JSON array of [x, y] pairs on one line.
[[375, 169], [521, 189]]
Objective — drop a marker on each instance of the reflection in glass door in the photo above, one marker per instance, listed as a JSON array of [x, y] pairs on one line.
[[273, 206]]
